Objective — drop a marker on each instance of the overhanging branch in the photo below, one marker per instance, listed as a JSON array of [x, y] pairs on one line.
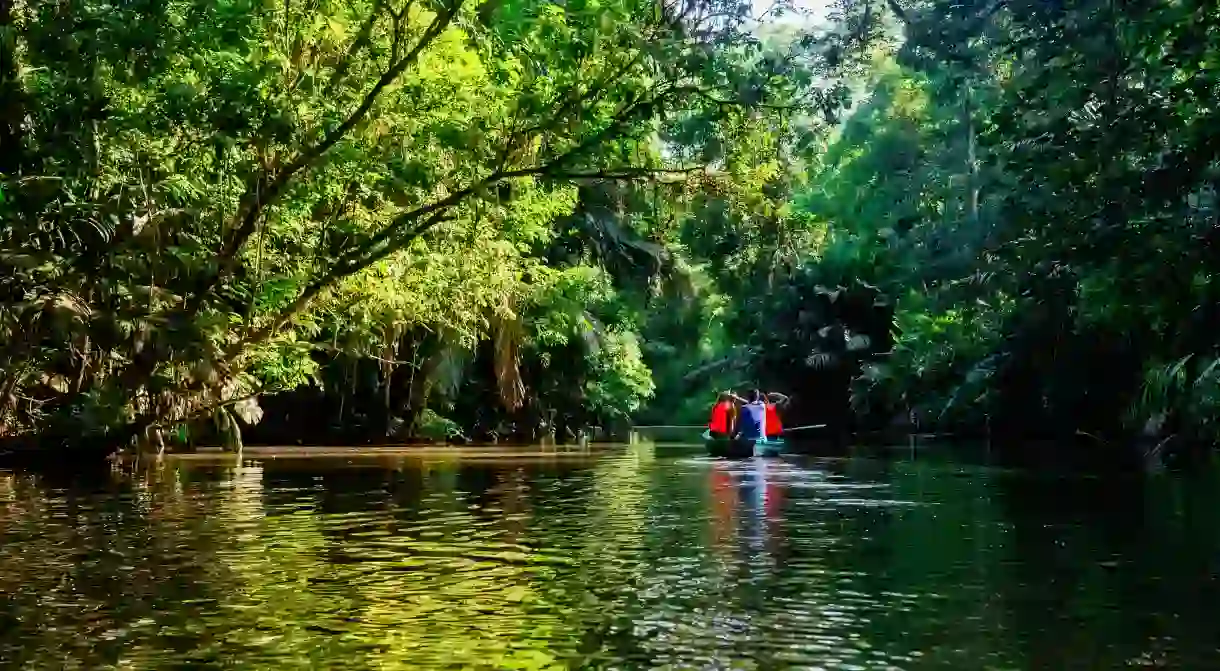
[[437, 213], [266, 189]]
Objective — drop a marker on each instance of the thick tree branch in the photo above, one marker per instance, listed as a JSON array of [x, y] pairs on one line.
[[627, 173], [579, 101], [361, 40], [409, 226], [402, 221], [438, 214], [267, 188], [311, 292]]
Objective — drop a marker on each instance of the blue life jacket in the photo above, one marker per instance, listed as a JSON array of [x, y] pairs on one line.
[[751, 419]]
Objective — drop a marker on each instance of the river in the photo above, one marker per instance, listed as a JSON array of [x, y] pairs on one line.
[[635, 557]]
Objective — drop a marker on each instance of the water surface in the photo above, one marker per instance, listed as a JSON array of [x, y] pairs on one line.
[[642, 557]]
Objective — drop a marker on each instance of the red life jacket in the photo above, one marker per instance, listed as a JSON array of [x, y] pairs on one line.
[[774, 428], [720, 417]]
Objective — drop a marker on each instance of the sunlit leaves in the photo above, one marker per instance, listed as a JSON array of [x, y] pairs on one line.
[[229, 180]]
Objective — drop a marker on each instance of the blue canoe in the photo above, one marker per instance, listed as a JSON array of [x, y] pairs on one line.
[[742, 448]]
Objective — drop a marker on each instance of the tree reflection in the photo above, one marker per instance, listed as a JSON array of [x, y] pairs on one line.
[[631, 560]]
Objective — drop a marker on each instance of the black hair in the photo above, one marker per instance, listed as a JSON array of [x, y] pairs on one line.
[[755, 396]]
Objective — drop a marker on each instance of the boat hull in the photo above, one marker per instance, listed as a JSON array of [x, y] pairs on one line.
[[730, 448]]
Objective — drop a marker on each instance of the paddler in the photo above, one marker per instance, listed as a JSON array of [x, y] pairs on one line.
[[752, 417], [721, 423], [774, 400]]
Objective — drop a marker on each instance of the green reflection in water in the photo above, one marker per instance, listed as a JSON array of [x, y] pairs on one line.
[[647, 557]]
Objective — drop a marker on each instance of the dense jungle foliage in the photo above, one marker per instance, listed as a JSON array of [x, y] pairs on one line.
[[1034, 187], [367, 219]]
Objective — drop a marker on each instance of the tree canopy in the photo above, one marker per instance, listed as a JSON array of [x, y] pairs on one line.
[[453, 219]]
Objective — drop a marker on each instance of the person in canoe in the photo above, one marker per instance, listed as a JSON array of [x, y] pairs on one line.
[[752, 417], [723, 416], [774, 401]]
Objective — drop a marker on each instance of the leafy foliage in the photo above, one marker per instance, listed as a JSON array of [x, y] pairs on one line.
[[1031, 184], [202, 199], [1034, 187], [513, 218]]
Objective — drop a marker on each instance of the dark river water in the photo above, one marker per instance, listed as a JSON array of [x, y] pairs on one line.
[[643, 557]]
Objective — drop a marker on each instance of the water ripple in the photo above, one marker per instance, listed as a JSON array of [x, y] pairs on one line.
[[626, 561]]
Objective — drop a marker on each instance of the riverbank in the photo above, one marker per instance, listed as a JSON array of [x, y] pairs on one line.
[[1076, 452], [439, 451]]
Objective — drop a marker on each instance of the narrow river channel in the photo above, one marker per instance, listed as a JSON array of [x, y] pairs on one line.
[[633, 557]]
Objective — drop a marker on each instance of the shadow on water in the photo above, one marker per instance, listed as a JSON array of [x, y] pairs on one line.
[[1124, 558], [644, 556]]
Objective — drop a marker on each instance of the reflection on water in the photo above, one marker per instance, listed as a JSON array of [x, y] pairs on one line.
[[641, 558]]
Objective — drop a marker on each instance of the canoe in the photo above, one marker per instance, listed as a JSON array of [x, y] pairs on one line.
[[742, 448]]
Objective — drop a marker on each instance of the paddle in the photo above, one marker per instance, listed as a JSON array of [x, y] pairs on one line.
[[807, 426], [707, 435]]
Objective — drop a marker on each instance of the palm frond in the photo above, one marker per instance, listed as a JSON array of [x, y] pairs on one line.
[[248, 411], [822, 360]]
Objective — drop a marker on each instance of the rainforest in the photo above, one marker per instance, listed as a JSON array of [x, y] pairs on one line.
[[363, 221]]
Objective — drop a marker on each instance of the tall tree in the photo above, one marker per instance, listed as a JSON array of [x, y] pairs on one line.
[[192, 181]]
